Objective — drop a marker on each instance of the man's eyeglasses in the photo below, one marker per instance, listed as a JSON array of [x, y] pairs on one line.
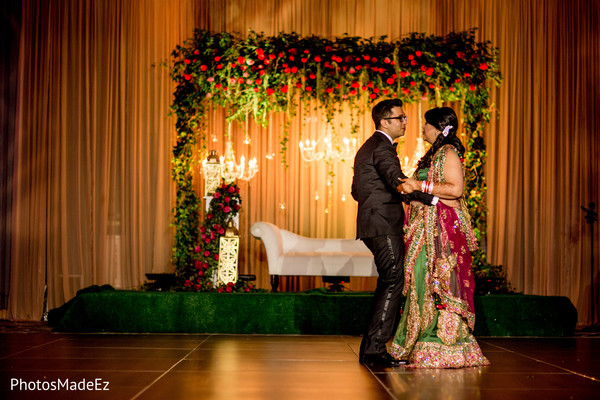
[[399, 117]]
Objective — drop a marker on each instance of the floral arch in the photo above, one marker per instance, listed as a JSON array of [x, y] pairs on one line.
[[254, 76]]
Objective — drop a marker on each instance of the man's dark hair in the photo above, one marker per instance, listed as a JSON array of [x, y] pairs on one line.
[[383, 109]]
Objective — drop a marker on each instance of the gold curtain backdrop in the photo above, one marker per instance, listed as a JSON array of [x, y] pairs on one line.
[[93, 194]]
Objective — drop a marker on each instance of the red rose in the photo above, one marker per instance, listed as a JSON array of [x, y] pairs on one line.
[[418, 53], [186, 61], [198, 249], [230, 284], [231, 189], [220, 66], [405, 90], [304, 60], [355, 84], [220, 290], [329, 90], [404, 74], [206, 253], [483, 66], [353, 92], [472, 86], [187, 77], [246, 290], [241, 60], [318, 59], [187, 283], [373, 96], [197, 286], [226, 209], [413, 83], [411, 57], [284, 89], [201, 273], [389, 81], [466, 74], [196, 52], [217, 195], [217, 59], [216, 257], [221, 231], [198, 264], [209, 216], [229, 289], [270, 91]]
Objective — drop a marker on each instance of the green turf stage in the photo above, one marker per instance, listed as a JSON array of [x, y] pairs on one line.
[[317, 312]]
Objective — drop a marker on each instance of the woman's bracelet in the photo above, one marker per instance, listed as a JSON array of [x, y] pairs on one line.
[[426, 187]]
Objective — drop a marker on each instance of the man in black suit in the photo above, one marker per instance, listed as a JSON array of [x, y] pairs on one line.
[[379, 225]]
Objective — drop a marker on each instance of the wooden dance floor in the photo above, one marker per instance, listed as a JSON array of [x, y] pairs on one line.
[[34, 361]]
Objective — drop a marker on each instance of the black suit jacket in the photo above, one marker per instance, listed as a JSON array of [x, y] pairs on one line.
[[376, 173]]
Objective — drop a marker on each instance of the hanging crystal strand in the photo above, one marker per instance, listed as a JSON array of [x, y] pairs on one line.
[[247, 139]]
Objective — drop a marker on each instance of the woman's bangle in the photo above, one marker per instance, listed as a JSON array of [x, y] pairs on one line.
[[426, 187]]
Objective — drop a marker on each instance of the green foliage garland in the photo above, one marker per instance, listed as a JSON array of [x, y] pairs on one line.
[[257, 75]]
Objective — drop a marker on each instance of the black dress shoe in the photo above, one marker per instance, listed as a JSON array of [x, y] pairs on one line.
[[383, 360]]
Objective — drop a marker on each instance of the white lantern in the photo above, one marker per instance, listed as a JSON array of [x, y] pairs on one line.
[[211, 168], [229, 247]]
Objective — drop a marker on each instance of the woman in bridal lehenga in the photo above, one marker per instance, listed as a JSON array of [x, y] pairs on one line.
[[438, 318]]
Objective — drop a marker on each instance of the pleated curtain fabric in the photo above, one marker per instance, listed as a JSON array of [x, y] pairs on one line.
[[92, 189]]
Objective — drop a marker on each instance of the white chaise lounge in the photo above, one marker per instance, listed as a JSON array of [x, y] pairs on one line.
[[291, 254]]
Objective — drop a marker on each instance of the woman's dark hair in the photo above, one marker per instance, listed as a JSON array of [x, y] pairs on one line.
[[440, 118]]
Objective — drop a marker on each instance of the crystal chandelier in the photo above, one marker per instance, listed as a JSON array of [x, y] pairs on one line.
[[231, 170], [331, 150]]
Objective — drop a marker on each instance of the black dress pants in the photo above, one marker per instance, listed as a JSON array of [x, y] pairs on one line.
[[388, 252]]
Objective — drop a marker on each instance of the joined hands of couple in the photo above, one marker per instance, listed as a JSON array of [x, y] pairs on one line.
[[407, 186]]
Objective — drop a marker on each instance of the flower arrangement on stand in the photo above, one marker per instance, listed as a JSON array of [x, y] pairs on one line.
[[200, 274]]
